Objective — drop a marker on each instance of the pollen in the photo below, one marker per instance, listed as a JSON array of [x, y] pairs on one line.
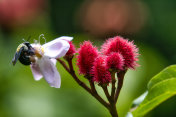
[[39, 50]]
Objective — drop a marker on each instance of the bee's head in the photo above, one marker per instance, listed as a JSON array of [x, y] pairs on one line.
[[27, 43]]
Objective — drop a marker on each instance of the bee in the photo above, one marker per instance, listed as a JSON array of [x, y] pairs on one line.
[[23, 53]]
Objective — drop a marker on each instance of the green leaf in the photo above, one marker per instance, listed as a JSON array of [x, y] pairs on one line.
[[167, 73], [160, 88]]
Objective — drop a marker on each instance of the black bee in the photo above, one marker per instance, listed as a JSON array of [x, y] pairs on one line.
[[23, 53]]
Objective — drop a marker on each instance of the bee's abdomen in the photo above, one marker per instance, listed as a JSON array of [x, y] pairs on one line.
[[24, 59]]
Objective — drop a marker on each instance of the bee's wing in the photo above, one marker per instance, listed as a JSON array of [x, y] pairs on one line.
[[17, 55]]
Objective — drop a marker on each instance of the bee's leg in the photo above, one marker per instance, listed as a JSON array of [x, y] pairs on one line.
[[32, 59]]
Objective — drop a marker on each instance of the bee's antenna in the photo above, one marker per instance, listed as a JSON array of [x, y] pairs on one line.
[[24, 40], [42, 36], [27, 39]]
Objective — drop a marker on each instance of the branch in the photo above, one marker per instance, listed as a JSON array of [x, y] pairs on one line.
[[92, 86], [96, 95], [120, 76], [72, 73], [92, 91], [106, 93], [63, 64], [113, 85]]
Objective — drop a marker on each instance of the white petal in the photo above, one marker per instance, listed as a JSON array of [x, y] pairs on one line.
[[36, 45], [36, 71], [54, 61], [49, 71], [57, 48], [65, 38]]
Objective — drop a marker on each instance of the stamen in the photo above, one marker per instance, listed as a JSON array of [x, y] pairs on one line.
[[39, 51], [42, 36]]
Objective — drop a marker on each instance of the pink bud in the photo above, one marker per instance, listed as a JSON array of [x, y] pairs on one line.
[[100, 72], [115, 61], [71, 50], [86, 56], [127, 49]]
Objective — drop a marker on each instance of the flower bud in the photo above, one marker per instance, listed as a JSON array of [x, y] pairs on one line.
[[127, 49], [69, 55], [71, 50], [115, 61], [86, 56], [100, 72]]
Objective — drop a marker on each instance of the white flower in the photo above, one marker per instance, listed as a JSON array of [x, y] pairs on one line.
[[45, 60]]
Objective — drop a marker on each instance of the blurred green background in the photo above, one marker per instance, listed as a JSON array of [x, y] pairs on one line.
[[151, 24]]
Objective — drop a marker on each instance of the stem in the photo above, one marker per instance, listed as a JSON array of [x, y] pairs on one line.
[[106, 92], [96, 95], [113, 111], [113, 85], [92, 86], [120, 76], [92, 91], [63, 64], [111, 106], [72, 72]]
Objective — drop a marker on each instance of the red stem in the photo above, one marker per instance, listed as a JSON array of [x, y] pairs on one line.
[[63, 64], [92, 91], [113, 85], [105, 89], [120, 76], [111, 106]]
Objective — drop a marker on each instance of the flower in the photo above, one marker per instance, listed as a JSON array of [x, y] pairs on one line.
[[99, 71], [127, 49], [45, 60], [115, 61], [86, 56]]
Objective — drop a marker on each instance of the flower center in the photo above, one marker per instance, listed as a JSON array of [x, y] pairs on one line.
[[39, 50]]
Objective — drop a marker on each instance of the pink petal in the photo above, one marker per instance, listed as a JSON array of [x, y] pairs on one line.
[[49, 71], [57, 48], [36, 71]]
